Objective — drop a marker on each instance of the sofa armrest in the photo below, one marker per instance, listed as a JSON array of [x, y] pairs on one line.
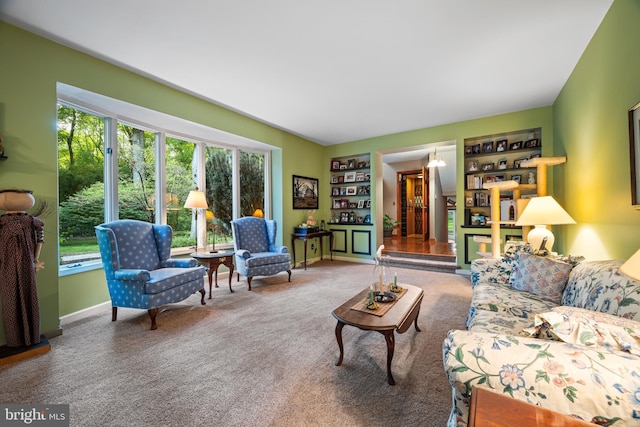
[[180, 263], [132, 275], [490, 270], [591, 383]]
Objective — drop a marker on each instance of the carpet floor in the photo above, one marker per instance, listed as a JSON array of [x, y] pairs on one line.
[[251, 358]]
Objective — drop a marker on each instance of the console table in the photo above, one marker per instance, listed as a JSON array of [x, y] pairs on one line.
[[307, 236]]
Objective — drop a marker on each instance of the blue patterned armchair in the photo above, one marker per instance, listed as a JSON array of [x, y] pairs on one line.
[[255, 249], [140, 273]]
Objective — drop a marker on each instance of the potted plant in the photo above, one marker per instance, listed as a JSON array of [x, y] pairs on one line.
[[388, 224]]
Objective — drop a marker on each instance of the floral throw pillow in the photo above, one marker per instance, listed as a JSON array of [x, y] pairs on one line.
[[542, 276]]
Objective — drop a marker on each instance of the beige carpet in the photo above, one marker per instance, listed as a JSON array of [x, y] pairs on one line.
[[260, 358]]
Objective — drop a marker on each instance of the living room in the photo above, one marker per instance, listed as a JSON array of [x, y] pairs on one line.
[[587, 122]]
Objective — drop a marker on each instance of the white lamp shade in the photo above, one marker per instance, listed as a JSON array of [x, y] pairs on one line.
[[539, 212], [544, 211], [632, 267], [196, 200]]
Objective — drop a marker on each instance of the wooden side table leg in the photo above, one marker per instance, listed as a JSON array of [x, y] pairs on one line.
[[215, 269], [231, 268], [391, 344], [339, 327], [321, 250], [305, 253], [293, 249], [331, 245], [210, 274]]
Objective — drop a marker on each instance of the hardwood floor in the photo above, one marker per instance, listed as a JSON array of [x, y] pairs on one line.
[[417, 245]]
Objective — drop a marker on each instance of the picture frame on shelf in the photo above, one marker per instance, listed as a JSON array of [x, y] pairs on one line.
[[343, 166], [334, 179], [343, 191], [531, 143], [340, 179], [361, 165], [475, 149], [360, 220], [467, 150], [493, 178], [336, 203], [472, 166], [350, 177], [516, 178], [533, 156], [344, 217], [502, 163], [361, 204], [518, 162], [351, 191], [515, 145], [367, 203], [305, 192], [487, 147], [501, 145], [344, 203], [359, 176], [353, 205], [367, 177], [487, 166], [335, 191], [468, 201], [335, 165], [351, 164]]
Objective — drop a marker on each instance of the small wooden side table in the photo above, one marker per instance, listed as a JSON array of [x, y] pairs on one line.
[[307, 236], [490, 409], [212, 261]]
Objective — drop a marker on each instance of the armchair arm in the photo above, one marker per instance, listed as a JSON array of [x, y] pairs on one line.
[[132, 275], [243, 253], [180, 263], [279, 249]]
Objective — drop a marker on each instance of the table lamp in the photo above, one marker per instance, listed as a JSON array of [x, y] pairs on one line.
[[196, 200], [540, 212], [258, 213], [632, 267]]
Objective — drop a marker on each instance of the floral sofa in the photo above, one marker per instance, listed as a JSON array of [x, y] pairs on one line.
[[554, 332]]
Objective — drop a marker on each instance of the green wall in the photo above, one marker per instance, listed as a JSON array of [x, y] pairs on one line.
[[587, 123], [591, 129]]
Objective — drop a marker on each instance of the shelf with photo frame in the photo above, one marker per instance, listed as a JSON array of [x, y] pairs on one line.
[[495, 158], [350, 181]]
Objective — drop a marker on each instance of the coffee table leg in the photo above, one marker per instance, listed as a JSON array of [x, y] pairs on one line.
[[391, 344], [339, 339]]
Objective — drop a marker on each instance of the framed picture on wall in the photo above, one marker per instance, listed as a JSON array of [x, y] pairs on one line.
[[305, 192]]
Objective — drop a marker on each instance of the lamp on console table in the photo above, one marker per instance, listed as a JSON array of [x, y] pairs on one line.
[[632, 267], [196, 200], [540, 212]]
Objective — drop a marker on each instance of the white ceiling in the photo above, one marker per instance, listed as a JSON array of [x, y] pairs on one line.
[[334, 71]]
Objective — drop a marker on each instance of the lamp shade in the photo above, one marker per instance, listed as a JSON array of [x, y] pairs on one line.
[[258, 213], [632, 267], [196, 200], [544, 211]]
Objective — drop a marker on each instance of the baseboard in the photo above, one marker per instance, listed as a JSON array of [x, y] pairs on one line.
[[81, 314]]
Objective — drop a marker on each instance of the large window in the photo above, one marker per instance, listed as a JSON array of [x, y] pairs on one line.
[[110, 170]]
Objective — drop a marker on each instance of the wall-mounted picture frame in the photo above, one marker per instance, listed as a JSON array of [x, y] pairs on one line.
[[350, 177], [305, 192], [634, 153], [487, 147]]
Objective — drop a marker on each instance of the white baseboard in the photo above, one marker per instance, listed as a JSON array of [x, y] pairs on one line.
[[81, 314]]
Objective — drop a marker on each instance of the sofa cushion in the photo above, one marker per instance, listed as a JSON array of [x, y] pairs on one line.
[[599, 286], [542, 276], [590, 331]]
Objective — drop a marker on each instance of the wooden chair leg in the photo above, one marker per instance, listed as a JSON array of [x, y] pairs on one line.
[[249, 281], [289, 271], [114, 313], [203, 294], [152, 314]]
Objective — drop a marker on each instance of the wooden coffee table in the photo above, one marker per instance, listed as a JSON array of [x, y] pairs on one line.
[[213, 260], [399, 318]]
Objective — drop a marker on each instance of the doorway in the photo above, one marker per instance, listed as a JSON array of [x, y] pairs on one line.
[[413, 203]]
